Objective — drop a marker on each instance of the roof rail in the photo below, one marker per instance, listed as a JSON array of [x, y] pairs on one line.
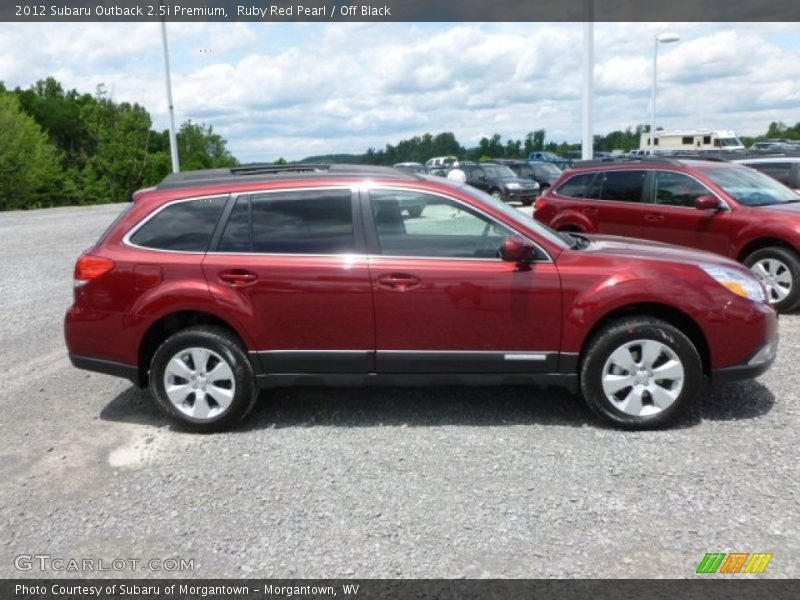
[[676, 159], [266, 172]]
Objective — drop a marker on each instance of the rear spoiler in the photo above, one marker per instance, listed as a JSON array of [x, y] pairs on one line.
[[138, 193]]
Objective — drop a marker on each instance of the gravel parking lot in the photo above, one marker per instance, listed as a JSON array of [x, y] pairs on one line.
[[437, 482]]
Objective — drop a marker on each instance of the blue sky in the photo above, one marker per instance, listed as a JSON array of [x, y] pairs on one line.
[[291, 90]]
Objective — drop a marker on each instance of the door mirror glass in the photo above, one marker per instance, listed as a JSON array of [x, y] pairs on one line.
[[707, 203], [516, 249]]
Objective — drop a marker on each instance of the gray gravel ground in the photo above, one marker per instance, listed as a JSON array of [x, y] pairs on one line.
[[443, 482]]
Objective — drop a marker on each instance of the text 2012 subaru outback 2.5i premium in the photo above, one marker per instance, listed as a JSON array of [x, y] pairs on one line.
[[218, 283]]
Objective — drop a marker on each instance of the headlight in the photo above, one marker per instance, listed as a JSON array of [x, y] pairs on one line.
[[741, 284], [513, 186]]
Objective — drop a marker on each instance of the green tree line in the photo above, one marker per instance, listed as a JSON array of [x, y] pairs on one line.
[[421, 148], [60, 147]]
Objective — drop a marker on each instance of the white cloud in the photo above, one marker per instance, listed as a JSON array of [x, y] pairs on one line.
[[294, 90]]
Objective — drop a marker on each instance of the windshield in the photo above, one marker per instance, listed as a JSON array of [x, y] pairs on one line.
[[519, 217], [750, 187], [498, 171], [548, 169], [730, 141]]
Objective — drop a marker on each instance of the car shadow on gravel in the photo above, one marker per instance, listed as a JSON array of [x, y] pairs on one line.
[[730, 401], [438, 406]]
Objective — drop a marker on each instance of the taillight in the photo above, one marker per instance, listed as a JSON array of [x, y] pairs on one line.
[[540, 203], [91, 267]]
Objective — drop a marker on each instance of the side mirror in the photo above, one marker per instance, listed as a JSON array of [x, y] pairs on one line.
[[707, 203], [516, 249]]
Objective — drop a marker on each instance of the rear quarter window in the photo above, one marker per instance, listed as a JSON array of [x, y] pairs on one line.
[[184, 226]]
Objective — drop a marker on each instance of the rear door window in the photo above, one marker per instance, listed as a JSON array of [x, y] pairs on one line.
[[621, 186], [576, 186], [297, 222], [184, 226]]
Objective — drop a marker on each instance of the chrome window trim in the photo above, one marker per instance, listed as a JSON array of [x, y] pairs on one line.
[[233, 196], [378, 186], [352, 188], [126, 240]]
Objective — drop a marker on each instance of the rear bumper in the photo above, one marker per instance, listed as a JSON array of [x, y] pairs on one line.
[[106, 367], [758, 364]]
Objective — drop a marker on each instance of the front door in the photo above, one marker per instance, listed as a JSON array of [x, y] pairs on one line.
[[444, 300], [671, 216]]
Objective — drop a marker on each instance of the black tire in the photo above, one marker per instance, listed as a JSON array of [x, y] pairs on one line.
[[415, 212], [527, 202], [614, 337], [498, 195], [222, 343], [791, 262]]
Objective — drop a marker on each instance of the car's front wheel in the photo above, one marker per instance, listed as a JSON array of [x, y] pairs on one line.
[[640, 373], [498, 195], [202, 378], [779, 268]]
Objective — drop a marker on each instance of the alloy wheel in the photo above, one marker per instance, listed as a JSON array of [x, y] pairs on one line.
[[199, 383], [777, 278], [643, 377]]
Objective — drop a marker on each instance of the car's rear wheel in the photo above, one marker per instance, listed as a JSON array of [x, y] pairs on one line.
[[202, 378], [640, 373], [780, 270], [498, 195], [527, 202]]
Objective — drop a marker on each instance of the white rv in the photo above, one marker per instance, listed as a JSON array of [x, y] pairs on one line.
[[697, 139]]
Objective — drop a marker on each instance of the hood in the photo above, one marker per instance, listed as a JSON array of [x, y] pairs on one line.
[[634, 249], [791, 208], [519, 180]]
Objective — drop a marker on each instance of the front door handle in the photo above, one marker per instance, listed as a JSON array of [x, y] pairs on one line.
[[653, 217], [238, 277], [398, 281]]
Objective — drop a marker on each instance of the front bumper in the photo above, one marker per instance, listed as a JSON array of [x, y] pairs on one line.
[[522, 194], [758, 364]]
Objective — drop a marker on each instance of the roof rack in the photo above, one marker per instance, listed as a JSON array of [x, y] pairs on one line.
[[270, 172]]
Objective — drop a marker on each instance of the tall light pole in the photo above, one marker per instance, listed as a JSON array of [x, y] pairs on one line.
[[664, 38], [587, 140], [173, 141]]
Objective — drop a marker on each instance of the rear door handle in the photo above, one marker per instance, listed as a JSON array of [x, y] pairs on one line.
[[398, 281], [238, 277], [590, 212], [653, 217]]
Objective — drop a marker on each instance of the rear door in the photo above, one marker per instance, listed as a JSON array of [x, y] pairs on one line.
[[616, 202], [291, 266]]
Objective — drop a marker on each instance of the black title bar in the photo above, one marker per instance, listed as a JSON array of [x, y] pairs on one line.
[[713, 588], [401, 10]]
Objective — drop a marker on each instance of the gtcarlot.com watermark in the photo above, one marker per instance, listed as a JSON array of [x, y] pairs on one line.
[[47, 562]]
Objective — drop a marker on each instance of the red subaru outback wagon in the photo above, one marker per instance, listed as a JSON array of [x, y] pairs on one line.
[[716, 206], [218, 283]]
